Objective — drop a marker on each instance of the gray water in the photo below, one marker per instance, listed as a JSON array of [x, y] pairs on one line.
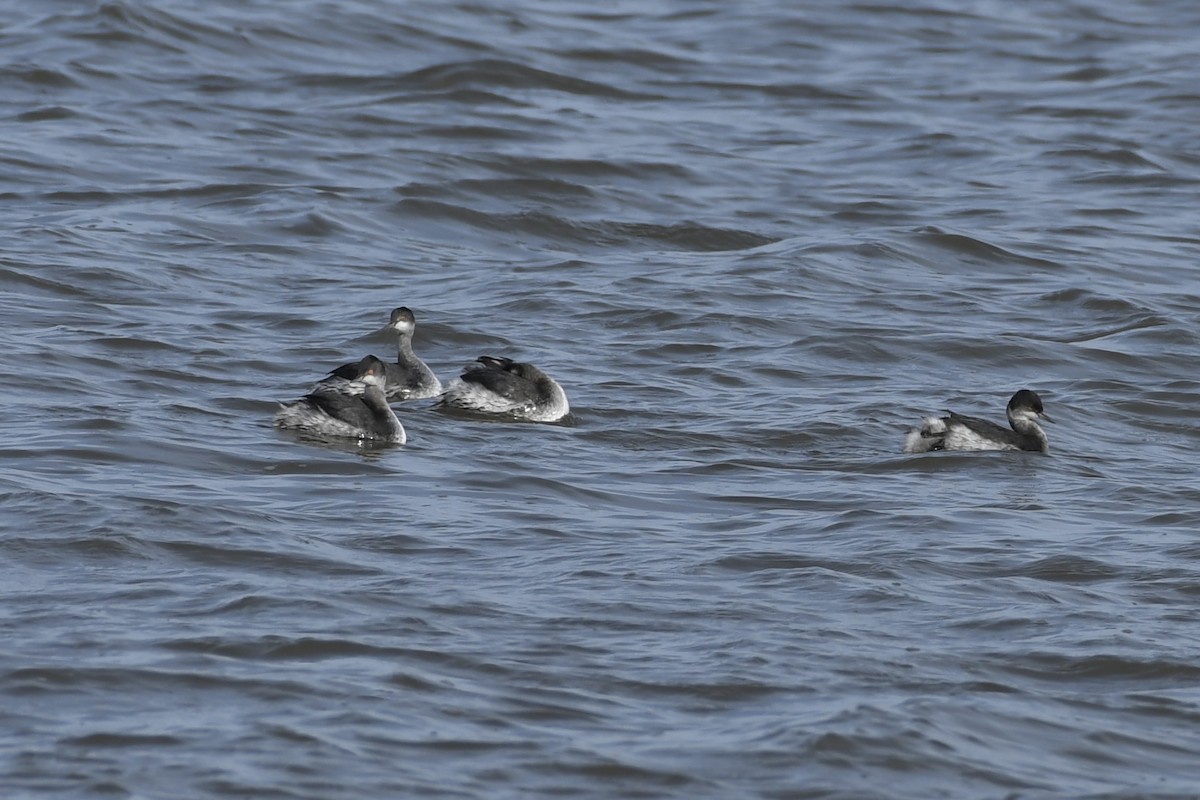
[[755, 242]]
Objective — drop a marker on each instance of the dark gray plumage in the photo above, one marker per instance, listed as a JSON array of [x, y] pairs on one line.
[[356, 408], [958, 432]]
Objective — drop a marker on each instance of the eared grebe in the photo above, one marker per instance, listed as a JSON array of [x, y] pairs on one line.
[[506, 387], [957, 432], [356, 408], [409, 378]]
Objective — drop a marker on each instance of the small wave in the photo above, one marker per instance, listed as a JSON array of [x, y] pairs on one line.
[[110, 739], [47, 114], [685, 236], [1069, 569], [978, 248], [492, 72], [42, 78], [1102, 666]]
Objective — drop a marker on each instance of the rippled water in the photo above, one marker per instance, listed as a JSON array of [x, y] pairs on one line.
[[755, 242]]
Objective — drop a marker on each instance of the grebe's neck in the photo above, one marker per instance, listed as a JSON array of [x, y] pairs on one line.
[[1025, 423]]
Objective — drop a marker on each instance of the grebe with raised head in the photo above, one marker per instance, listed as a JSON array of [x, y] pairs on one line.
[[956, 432], [409, 378]]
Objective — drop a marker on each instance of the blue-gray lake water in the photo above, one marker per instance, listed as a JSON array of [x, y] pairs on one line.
[[755, 242]]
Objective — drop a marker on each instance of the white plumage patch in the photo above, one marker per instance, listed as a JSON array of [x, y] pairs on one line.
[[933, 426], [915, 443], [473, 397], [960, 437], [925, 438], [467, 396], [303, 417]]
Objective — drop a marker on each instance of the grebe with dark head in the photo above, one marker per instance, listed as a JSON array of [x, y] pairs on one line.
[[409, 378], [356, 408], [956, 432]]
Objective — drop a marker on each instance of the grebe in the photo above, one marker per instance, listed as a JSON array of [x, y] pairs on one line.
[[956, 432], [357, 408], [409, 378], [505, 387]]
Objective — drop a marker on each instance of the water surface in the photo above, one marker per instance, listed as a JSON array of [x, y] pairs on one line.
[[755, 243]]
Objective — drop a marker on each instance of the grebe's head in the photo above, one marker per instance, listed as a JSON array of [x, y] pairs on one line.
[[371, 372], [402, 320], [1026, 405]]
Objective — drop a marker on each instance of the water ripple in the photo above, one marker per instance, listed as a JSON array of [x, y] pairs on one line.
[[756, 243]]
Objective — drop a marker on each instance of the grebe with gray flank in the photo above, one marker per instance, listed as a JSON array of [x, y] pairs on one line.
[[956, 432], [409, 378], [357, 408], [505, 387]]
